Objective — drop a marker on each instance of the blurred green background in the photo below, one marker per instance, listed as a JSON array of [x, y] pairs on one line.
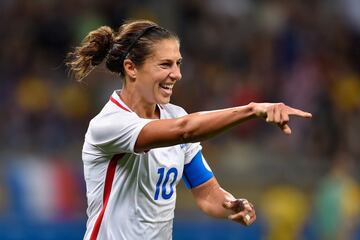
[[303, 53]]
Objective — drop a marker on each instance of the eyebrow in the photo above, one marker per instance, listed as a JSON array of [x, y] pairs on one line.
[[170, 60]]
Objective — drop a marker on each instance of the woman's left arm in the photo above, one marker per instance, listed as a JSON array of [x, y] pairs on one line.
[[217, 202]]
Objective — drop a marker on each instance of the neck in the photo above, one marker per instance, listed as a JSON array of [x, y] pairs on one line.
[[138, 105]]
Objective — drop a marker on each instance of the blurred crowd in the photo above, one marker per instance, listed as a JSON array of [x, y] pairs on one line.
[[303, 53]]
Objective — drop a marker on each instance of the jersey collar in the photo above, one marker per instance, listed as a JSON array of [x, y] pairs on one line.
[[115, 98]]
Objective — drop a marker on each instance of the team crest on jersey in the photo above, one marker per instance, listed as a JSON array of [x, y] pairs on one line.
[[183, 145]]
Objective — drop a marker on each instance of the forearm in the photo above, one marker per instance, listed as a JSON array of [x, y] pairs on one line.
[[212, 205], [210, 198], [203, 125]]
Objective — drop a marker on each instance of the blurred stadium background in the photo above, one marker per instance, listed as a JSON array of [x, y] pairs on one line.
[[304, 53]]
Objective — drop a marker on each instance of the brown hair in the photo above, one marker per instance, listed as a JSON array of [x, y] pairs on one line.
[[134, 41]]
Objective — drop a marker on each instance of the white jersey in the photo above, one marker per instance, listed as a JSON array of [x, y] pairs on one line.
[[130, 195]]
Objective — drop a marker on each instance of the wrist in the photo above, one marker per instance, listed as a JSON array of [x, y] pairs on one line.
[[258, 109], [252, 109]]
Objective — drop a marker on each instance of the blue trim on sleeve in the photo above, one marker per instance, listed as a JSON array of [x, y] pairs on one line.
[[195, 172]]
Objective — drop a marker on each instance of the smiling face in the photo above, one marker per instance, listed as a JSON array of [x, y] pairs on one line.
[[156, 77]]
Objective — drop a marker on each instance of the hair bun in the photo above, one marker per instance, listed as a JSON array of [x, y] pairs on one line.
[[101, 41]]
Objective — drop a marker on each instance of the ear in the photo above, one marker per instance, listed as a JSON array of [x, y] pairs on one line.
[[129, 68]]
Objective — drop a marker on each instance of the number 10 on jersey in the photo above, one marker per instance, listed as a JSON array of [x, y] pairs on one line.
[[161, 186]]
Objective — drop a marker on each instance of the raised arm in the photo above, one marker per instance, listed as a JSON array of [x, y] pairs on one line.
[[204, 125]]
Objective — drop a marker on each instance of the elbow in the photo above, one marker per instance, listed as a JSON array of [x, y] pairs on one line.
[[187, 130]]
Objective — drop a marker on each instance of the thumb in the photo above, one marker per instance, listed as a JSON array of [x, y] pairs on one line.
[[285, 128], [228, 204]]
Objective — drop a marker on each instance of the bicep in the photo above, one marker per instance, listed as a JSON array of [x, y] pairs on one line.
[[160, 133]]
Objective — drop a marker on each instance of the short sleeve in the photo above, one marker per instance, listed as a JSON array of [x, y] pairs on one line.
[[115, 132], [191, 150]]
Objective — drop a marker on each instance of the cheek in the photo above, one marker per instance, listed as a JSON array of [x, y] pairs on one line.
[[159, 76], [153, 78]]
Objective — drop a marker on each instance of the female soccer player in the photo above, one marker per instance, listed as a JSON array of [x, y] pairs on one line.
[[139, 146]]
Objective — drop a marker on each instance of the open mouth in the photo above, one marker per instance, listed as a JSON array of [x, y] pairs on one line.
[[166, 86]]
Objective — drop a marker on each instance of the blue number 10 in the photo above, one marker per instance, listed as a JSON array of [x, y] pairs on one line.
[[162, 188]]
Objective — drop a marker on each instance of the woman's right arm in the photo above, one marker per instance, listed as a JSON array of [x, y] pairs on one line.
[[200, 126]]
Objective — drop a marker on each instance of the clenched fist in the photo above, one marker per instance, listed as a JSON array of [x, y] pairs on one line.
[[243, 211]]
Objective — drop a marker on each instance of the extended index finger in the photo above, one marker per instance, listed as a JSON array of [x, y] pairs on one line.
[[300, 113]]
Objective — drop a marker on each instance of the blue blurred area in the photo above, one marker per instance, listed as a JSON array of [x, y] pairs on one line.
[[49, 230], [304, 53], [214, 229], [183, 229]]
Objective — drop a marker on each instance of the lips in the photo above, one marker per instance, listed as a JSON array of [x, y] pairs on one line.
[[166, 89]]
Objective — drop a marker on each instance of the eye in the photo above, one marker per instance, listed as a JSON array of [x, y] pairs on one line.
[[179, 63], [165, 65]]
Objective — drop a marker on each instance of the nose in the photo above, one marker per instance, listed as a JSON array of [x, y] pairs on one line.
[[175, 74]]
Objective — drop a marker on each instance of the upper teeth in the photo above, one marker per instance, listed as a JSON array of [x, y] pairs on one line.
[[168, 86]]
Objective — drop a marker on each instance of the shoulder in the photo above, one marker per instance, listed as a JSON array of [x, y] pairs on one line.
[[110, 112], [111, 119], [115, 128]]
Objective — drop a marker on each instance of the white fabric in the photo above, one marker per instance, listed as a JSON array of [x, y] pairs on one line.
[[132, 211]]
